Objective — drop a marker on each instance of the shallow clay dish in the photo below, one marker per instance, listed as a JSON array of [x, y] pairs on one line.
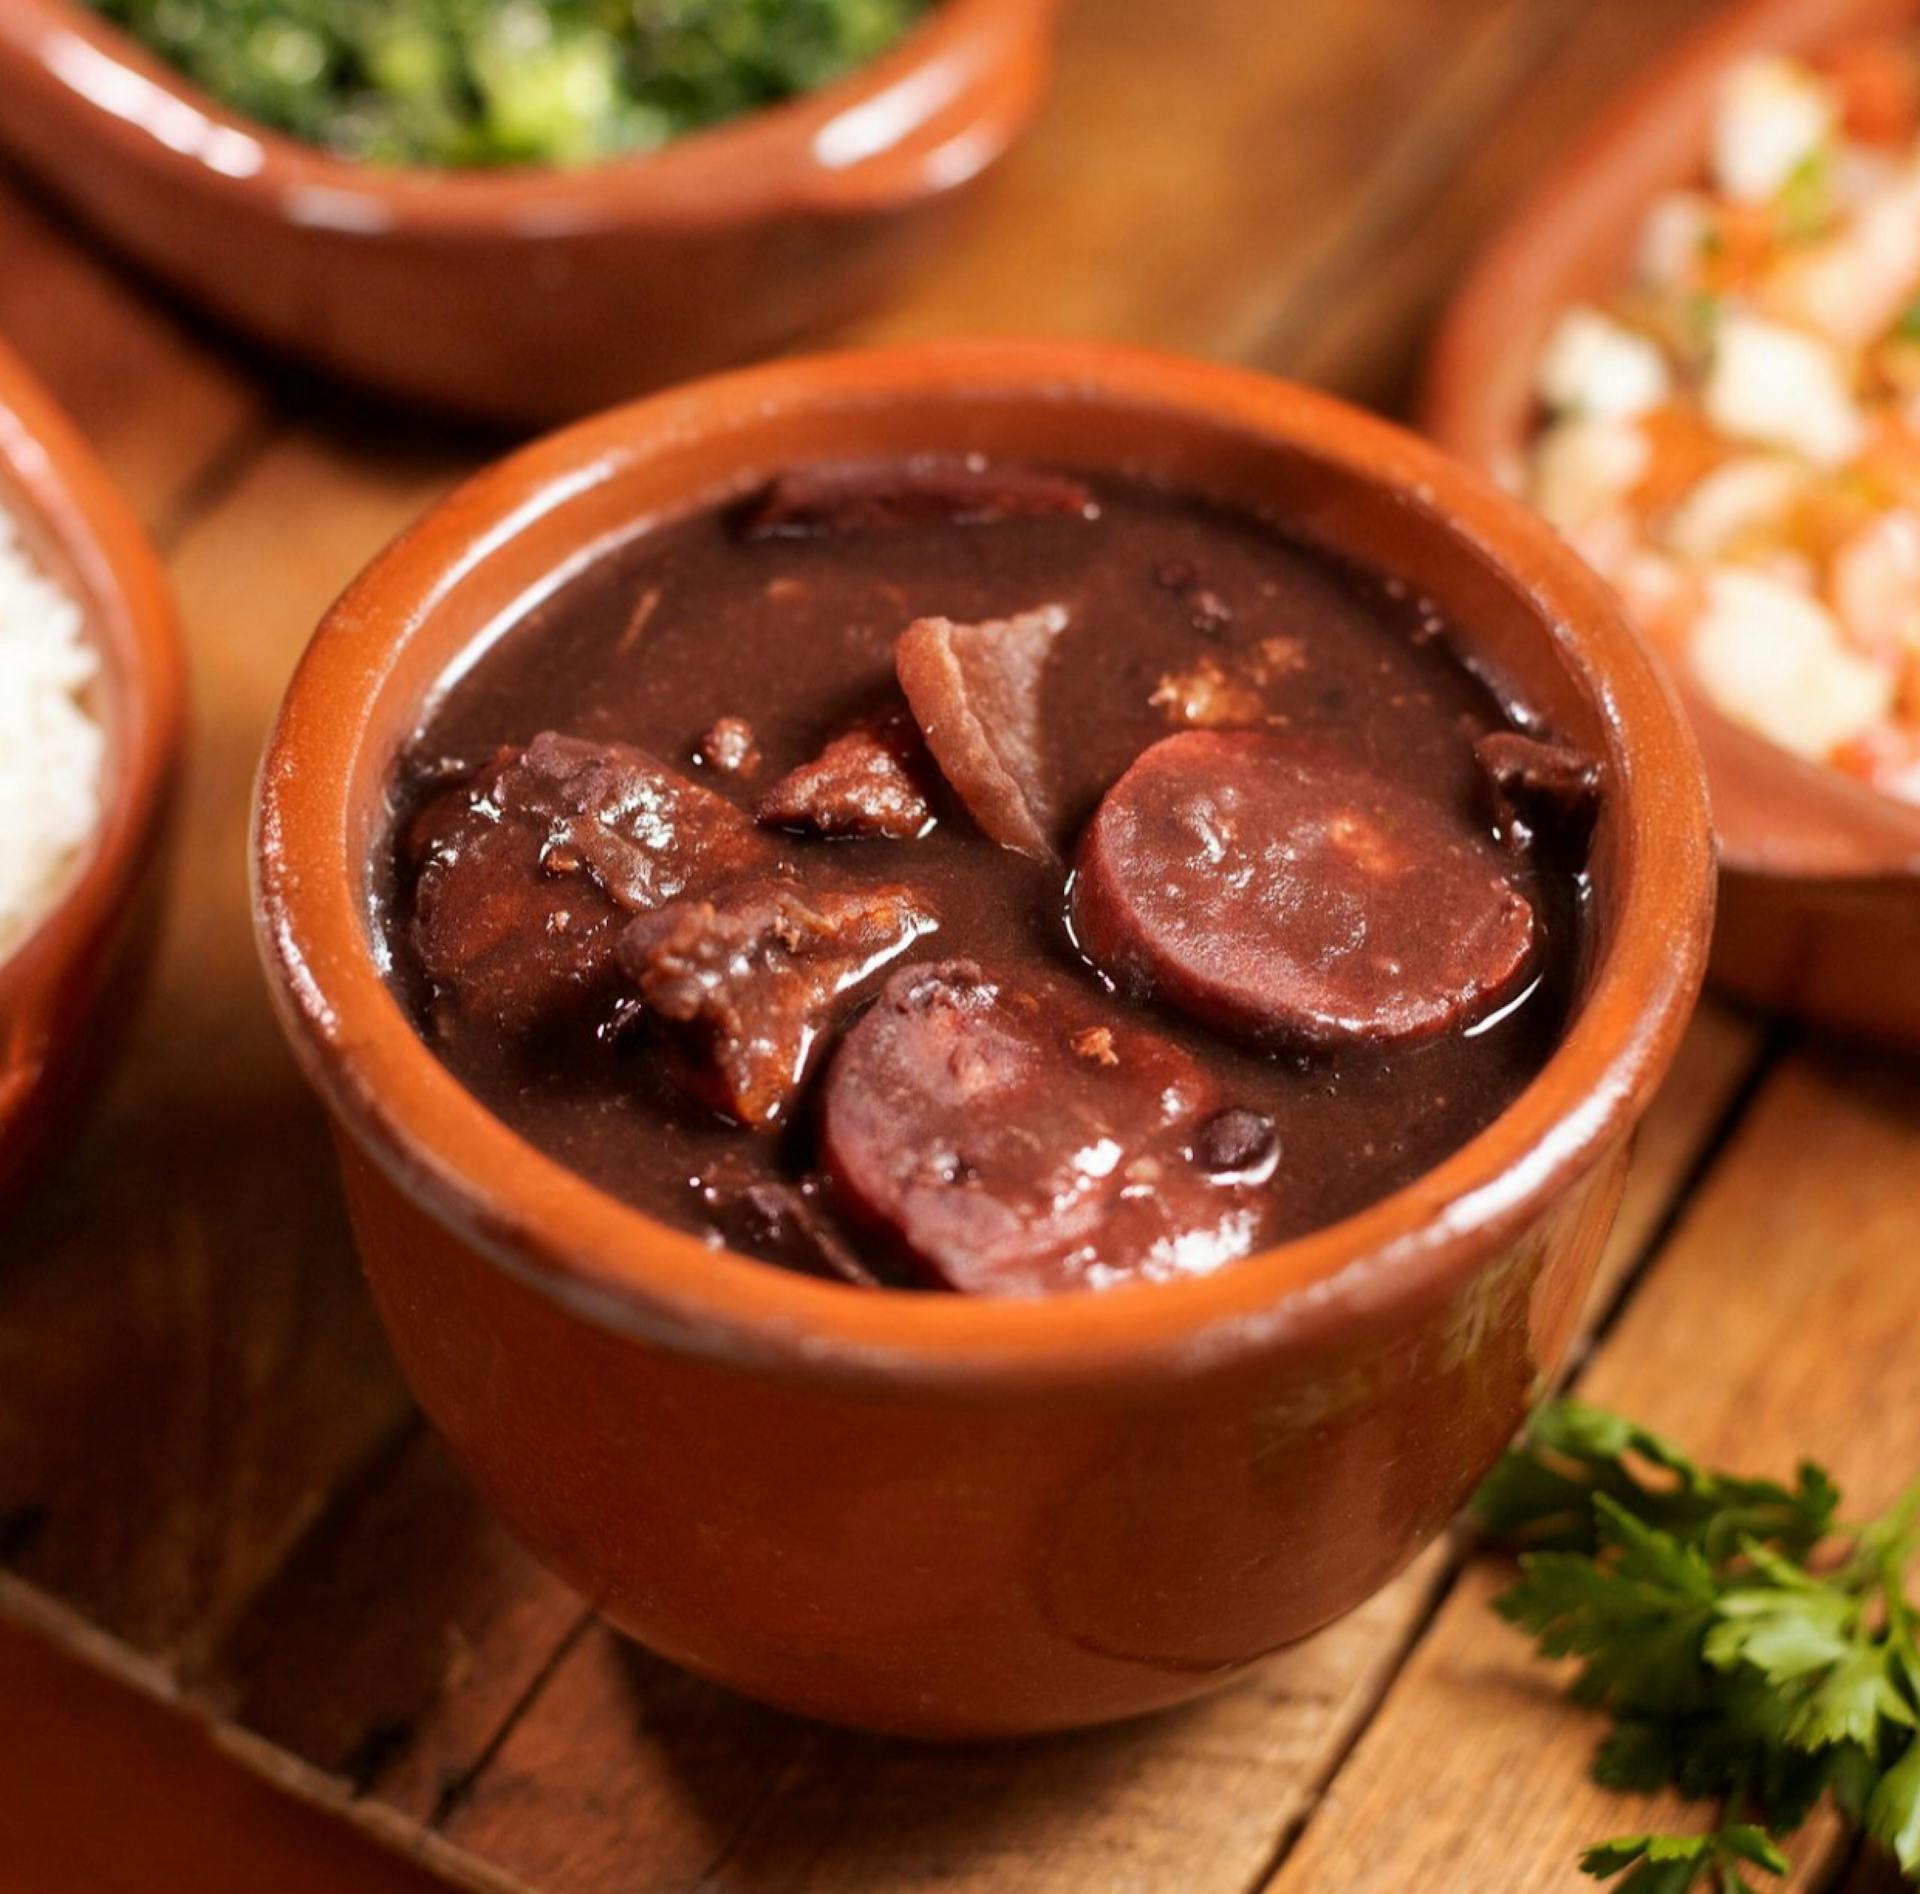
[[65, 988], [525, 295], [1820, 882], [912, 1511]]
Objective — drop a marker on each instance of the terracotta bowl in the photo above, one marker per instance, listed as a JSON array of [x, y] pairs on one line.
[[529, 295], [908, 1511], [65, 988], [1820, 882]]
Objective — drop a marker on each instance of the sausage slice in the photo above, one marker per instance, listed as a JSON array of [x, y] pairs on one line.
[[975, 692], [1008, 1135], [1295, 898]]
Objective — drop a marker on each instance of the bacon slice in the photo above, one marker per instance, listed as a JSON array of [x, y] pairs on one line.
[[975, 692]]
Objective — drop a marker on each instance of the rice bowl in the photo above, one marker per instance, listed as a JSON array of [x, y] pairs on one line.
[[52, 748]]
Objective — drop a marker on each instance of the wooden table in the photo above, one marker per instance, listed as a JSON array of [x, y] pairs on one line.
[[206, 1454]]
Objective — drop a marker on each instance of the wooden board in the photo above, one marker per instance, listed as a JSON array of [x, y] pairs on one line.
[[207, 1458]]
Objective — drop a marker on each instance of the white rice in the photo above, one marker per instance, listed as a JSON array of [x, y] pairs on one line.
[[52, 751]]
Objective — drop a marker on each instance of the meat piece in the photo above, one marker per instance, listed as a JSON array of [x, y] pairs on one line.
[[528, 870], [1295, 898], [779, 1223], [1204, 696], [963, 1120], [975, 692], [1540, 790], [865, 498], [864, 783], [743, 984], [729, 747]]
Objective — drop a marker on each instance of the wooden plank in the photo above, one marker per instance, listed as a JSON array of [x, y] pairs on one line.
[[1779, 1323], [157, 399], [623, 1761], [101, 1736], [1201, 158], [1356, 325], [396, 1648], [190, 1263]]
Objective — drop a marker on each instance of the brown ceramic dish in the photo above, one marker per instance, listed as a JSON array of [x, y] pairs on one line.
[[530, 295], [1820, 882], [921, 1512], [63, 989]]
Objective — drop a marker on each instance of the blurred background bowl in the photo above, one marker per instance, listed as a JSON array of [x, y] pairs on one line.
[[525, 295], [65, 990], [1820, 877]]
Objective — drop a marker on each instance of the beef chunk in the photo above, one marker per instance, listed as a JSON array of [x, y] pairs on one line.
[[1541, 791], [527, 871], [1007, 1135], [865, 783], [975, 692], [866, 499], [743, 983], [1206, 697], [1290, 897]]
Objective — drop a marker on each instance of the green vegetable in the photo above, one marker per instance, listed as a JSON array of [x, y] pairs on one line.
[[1804, 207], [496, 82], [1749, 1648]]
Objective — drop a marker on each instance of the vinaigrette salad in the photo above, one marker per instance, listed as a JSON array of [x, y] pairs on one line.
[[1734, 440]]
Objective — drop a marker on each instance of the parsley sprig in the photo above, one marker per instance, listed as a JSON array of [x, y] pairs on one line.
[[1750, 1647]]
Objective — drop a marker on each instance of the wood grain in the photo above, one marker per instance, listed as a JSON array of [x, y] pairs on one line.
[[159, 402], [191, 1264], [94, 1733], [1358, 324], [1779, 1324]]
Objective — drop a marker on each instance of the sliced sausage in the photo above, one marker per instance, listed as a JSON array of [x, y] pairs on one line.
[[1295, 898], [975, 692], [865, 783], [743, 983], [1007, 1134], [527, 871], [857, 498]]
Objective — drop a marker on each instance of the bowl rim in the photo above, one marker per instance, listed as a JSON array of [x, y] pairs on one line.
[[922, 117], [1824, 828], [632, 1275], [51, 472]]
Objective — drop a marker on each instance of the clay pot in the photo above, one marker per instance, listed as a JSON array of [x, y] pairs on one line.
[[1820, 876], [65, 990], [917, 1512], [525, 295]]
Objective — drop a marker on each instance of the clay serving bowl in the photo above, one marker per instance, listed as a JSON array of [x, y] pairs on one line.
[[65, 988], [910, 1511], [524, 295], [1820, 877]]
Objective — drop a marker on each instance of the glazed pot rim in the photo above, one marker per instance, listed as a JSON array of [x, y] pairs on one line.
[[631, 1274], [50, 475], [1780, 818], [915, 121]]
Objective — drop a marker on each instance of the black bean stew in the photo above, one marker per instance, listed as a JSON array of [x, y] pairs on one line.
[[967, 876]]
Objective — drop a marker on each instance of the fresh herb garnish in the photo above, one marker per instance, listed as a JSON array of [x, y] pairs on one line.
[[1750, 1647]]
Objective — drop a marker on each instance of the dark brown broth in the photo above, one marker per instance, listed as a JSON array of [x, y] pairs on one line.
[[795, 634]]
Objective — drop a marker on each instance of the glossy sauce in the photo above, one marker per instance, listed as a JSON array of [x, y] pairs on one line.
[[1178, 616]]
